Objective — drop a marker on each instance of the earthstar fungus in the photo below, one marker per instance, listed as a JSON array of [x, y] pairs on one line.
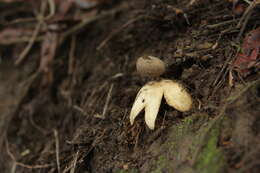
[[149, 98]]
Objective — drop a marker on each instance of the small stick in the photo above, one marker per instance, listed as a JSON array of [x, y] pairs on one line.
[[13, 168], [90, 20], [22, 20], [222, 23], [76, 107], [71, 55], [107, 101], [57, 149], [244, 19], [191, 2], [74, 162], [103, 43], [251, 6], [52, 9], [30, 44], [10, 154], [244, 25], [40, 18], [222, 69]]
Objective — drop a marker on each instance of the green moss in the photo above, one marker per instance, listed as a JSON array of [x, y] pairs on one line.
[[211, 159], [193, 140], [188, 120], [170, 150], [181, 129], [161, 164], [127, 171]]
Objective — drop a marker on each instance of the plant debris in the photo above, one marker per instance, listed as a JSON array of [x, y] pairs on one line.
[[250, 53]]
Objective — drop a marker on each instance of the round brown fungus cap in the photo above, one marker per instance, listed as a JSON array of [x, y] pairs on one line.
[[150, 66]]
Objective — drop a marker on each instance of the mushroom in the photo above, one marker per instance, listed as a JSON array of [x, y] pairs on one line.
[[149, 98], [176, 95], [150, 66]]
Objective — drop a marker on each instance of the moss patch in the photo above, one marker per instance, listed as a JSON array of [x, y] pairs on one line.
[[162, 164], [191, 145], [127, 171], [211, 159]]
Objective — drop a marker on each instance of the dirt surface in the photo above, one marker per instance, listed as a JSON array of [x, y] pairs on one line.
[[75, 117]]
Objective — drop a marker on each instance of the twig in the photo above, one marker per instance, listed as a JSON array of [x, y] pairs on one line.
[[92, 100], [79, 109], [30, 44], [41, 20], [244, 19], [137, 139], [10, 154], [223, 72], [249, 8], [191, 3], [37, 127], [34, 36], [107, 101], [72, 56], [22, 20], [57, 149], [220, 82], [222, 69], [247, 1], [243, 26], [71, 30], [90, 20], [103, 43], [156, 134], [222, 23], [13, 168], [74, 163], [52, 8], [21, 40]]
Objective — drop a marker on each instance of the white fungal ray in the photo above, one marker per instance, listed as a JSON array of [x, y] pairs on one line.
[[153, 99], [176, 95], [139, 104], [149, 97]]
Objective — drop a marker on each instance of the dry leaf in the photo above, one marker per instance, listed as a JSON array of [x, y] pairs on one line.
[[250, 52]]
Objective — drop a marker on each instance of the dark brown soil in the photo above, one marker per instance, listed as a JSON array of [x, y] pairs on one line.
[[82, 118]]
